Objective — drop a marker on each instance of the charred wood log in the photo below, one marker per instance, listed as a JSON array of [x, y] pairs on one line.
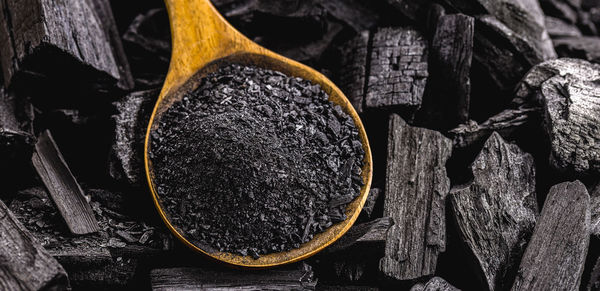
[[365, 233], [415, 191], [555, 256], [495, 214], [398, 71], [571, 108], [59, 39], [446, 103], [195, 279], [24, 264], [62, 186]]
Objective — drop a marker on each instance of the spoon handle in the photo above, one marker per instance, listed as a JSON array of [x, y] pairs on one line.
[[199, 35]]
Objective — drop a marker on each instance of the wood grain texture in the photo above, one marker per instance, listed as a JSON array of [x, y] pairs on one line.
[[46, 36], [352, 74], [62, 186], [415, 190], [24, 264], [202, 41], [571, 104], [398, 70], [495, 214], [581, 47], [447, 102], [559, 28], [205, 279], [555, 256], [434, 284]]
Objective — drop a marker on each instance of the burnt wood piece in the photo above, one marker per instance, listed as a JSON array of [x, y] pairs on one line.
[[196, 279], [594, 281], [415, 190], [434, 14], [571, 105], [528, 91], [524, 17], [345, 288], [581, 47], [126, 157], [58, 39], [449, 89], [107, 20], [369, 232], [434, 284], [351, 76], [371, 202], [555, 256], [559, 28], [353, 13], [495, 213], [506, 123], [24, 264], [62, 186], [398, 71]]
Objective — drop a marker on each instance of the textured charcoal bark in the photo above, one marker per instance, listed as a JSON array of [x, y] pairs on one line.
[[62, 186], [300, 278], [506, 123], [352, 75], [434, 284], [495, 213], [398, 71], [415, 191], [571, 106], [582, 47], [24, 264], [595, 214], [594, 280], [528, 91], [131, 121], [524, 17], [559, 28], [555, 256], [60, 39], [449, 89]]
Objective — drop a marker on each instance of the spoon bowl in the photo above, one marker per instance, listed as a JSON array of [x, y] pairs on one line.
[[203, 42]]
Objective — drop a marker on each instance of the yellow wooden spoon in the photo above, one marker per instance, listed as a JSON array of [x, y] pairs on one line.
[[202, 41]]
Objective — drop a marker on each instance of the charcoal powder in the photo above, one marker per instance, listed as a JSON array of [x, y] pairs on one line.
[[253, 162]]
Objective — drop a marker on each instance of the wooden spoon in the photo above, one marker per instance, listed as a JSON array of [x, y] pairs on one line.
[[202, 41]]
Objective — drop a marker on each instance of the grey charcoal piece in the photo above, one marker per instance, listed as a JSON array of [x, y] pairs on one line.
[[555, 256], [398, 71], [495, 214], [415, 190], [434, 284]]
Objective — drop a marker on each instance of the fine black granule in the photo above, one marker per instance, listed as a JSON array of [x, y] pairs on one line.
[[254, 162]]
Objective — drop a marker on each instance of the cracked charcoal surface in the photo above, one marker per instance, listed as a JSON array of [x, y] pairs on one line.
[[254, 162]]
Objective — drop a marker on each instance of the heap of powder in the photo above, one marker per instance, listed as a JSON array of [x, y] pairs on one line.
[[255, 162]]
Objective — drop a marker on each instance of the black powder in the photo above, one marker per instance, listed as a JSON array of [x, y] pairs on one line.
[[254, 162]]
